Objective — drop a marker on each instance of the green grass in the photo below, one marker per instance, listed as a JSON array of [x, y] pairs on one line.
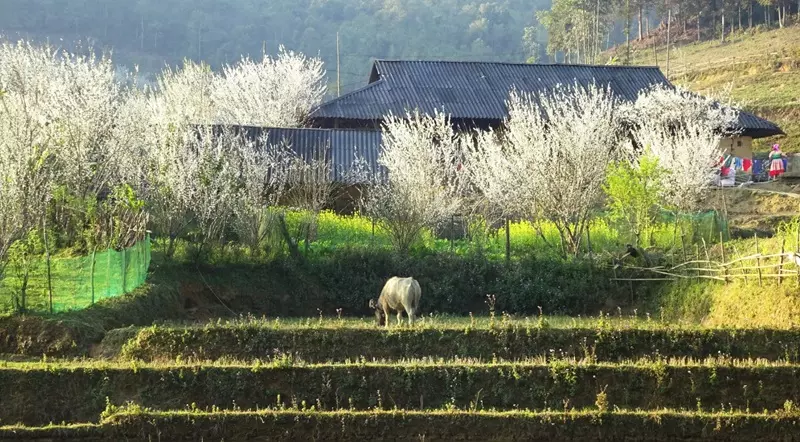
[[74, 393], [269, 339]]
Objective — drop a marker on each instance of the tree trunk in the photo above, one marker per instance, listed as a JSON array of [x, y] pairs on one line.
[[669, 29], [739, 10], [698, 26], [722, 35], [628, 32], [640, 22], [750, 15]]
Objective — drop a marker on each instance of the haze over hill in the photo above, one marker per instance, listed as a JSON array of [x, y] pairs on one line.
[[150, 34]]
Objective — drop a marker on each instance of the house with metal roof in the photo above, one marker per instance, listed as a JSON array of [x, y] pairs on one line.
[[474, 94], [346, 151], [341, 148]]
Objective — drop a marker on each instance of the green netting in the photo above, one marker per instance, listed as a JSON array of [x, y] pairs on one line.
[[696, 226], [76, 282]]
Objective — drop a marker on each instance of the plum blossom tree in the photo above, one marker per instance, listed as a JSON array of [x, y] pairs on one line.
[[424, 183], [550, 161], [58, 132], [207, 177], [277, 92], [682, 130]]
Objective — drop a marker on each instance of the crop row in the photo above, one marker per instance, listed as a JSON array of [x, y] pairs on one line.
[[38, 395], [253, 341], [418, 426]]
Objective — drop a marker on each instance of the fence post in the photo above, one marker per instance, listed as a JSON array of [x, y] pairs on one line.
[[508, 241], [91, 275], [452, 232], [797, 251], [683, 244], [47, 257], [780, 267], [724, 261], [697, 258], [758, 260], [124, 271], [108, 271], [741, 263]]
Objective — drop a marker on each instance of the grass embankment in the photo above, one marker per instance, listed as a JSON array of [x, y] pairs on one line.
[[37, 394], [247, 340], [763, 68], [445, 425]]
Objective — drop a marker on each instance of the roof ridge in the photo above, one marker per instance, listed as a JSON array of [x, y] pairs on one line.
[[353, 92], [510, 63]]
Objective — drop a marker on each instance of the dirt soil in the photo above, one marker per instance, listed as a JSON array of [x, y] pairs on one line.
[[758, 207]]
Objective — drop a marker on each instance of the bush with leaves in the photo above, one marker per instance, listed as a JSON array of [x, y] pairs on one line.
[[634, 195]]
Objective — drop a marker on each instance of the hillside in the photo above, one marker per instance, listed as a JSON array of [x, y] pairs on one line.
[[761, 68], [150, 33]]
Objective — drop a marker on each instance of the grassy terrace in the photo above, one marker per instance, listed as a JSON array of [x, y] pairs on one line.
[[598, 424], [602, 339], [39, 393]]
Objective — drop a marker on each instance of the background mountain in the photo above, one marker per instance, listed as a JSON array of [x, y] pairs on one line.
[[152, 33]]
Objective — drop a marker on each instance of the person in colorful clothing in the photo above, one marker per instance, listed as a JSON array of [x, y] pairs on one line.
[[776, 165]]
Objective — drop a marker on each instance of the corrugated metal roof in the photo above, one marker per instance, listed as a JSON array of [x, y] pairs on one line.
[[479, 90], [340, 146]]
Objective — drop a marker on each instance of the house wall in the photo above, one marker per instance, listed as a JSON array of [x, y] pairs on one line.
[[741, 147]]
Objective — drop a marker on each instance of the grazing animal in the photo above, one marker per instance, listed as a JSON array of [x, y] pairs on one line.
[[398, 294]]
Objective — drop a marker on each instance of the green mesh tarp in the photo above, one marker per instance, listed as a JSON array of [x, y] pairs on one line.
[[696, 226], [76, 282]]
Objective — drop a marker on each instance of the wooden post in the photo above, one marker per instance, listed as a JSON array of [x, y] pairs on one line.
[[724, 262], [780, 267], [124, 272], [725, 214], [508, 241], [797, 237], [758, 261], [741, 263], [47, 257], [697, 258], [683, 244], [91, 275]]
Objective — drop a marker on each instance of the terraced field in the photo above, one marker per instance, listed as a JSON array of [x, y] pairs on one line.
[[457, 379]]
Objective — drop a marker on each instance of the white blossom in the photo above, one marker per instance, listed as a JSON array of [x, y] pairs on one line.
[[277, 92], [424, 187], [550, 161], [683, 130]]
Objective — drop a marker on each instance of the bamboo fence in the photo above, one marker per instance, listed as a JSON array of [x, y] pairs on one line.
[[758, 266]]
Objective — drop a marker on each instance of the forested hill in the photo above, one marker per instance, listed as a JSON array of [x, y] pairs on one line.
[[150, 33]]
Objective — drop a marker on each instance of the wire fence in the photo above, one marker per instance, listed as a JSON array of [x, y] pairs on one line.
[[62, 284]]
